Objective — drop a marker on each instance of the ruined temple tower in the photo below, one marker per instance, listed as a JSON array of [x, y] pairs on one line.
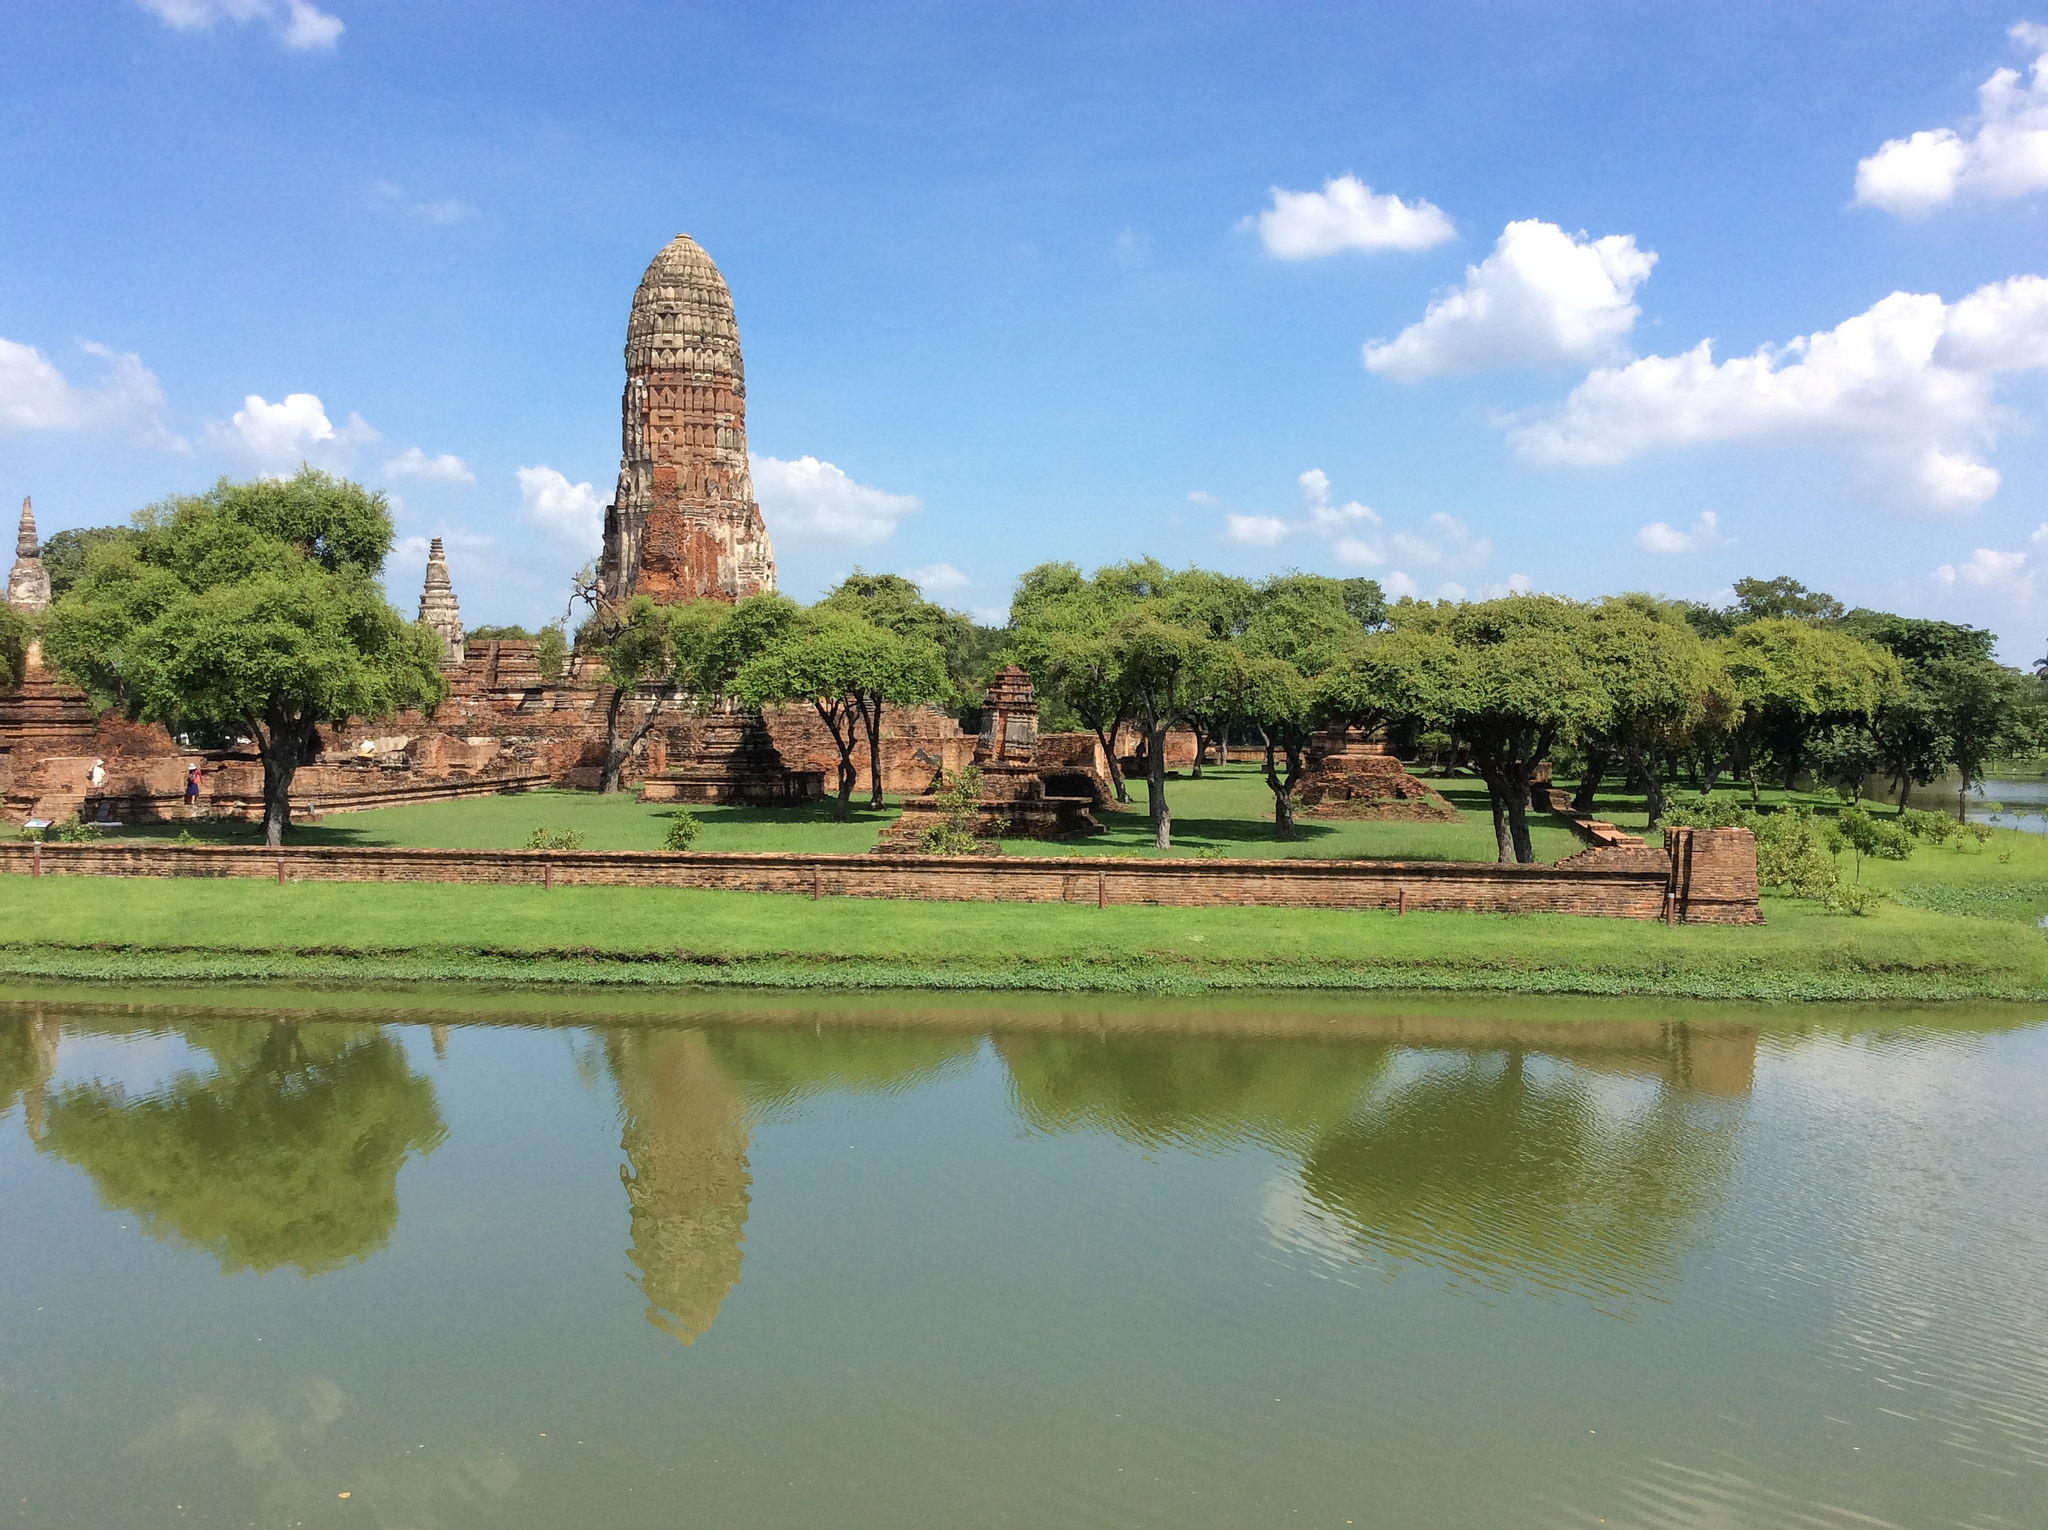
[[438, 609], [28, 582], [683, 522]]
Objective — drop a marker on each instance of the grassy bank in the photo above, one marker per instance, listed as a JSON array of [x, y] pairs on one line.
[[130, 930]]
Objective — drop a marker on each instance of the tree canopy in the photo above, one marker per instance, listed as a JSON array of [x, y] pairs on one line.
[[848, 669], [252, 607]]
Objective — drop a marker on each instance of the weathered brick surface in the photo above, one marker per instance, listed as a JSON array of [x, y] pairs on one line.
[[1713, 874], [1599, 884]]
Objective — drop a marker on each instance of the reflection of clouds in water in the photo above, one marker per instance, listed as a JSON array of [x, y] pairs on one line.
[[1297, 1225], [300, 1450], [140, 1062]]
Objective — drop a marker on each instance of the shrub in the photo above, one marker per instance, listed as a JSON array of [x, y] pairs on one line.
[[959, 808], [1709, 813], [554, 839], [1935, 828], [76, 831], [1873, 836], [683, 828], [1850, 898]]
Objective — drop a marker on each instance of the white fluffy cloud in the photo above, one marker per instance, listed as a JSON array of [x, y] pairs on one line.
[[1663, 537], [1346, 214], [1359, 538], [2017, 576], [35, 396], [297, 23], [276, 438], [939, 577], [1255, 530], [1543, 296], [1999, 154], [1908, 384], [813, 500], [414, 463], [571, 513], [390, 197]]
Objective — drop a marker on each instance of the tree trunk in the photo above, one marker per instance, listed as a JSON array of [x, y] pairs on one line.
[[845, 734], [872, 715], [1589, 782], [618, 750], [1644, 764], [1116, 771], [283, 745], [1905, 788], [1518, 824], [1497, 799], [1282, 787], [1155, 780]]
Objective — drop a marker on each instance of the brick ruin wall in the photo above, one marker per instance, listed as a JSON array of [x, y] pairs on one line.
[[1632, 884], [502, 728]]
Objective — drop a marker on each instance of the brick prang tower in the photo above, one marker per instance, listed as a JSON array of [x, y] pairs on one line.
[[683, 522]]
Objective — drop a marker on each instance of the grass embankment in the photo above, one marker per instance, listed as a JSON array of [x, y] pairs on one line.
[[1229, 812], [145, 929], [1957, 923]]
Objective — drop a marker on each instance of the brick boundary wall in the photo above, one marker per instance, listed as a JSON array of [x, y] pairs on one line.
[[1626, 884]]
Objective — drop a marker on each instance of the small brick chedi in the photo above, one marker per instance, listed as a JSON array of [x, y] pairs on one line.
[[1351, 775], [438, 609], [683, 523], [28, 582], [1013, 798]]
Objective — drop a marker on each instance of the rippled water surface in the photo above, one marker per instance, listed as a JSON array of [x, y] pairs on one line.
[[1453, 1266]]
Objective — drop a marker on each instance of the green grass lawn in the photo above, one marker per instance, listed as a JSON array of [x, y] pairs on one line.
[[134, 929], [1229, 812], [1956, 923]]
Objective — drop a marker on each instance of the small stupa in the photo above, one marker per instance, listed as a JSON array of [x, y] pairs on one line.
[[28, 582], [1353, 774], [438, 609], [1013, 799]]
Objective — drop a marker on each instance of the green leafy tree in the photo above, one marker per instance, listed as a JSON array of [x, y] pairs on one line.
[[252, 607], [1793, 681], [898, 605], [1661, 679], [1984, 710], [633, 643], [1060, 624], [1783, 599], [15, 636], [1158, 657], [848, 670], [1281, 702], [286, 1153], [1518, 680], [63, 552]]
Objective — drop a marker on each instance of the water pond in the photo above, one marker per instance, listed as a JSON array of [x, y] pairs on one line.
[[407, 1261]]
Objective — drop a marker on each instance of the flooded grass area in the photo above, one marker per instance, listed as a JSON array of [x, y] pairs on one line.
[[459, 1257]]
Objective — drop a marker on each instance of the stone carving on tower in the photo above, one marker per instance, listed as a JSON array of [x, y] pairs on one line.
[[28, 582], [683, 522], [438, 609]]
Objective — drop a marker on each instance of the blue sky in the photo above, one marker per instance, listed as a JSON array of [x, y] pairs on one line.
[[1419, 292]]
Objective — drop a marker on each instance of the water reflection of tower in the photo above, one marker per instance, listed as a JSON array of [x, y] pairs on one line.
[[28, 1056], [686, 1179]]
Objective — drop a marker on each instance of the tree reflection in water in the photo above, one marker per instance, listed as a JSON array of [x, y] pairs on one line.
[[286, 1153], [1502, 1167], [1161, 1091]]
